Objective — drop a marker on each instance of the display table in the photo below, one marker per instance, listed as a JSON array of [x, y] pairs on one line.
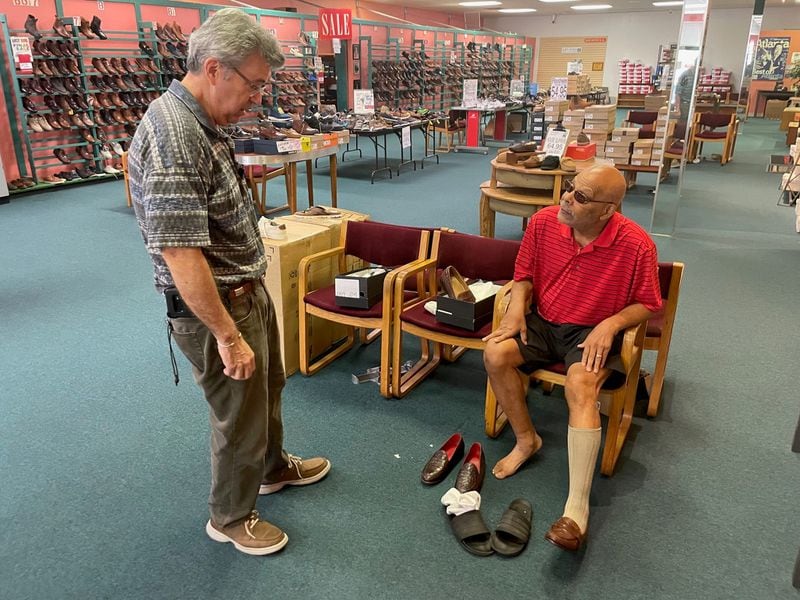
[[763, 95], [378, 137], [476, 141], [515, 190], [290, 161]]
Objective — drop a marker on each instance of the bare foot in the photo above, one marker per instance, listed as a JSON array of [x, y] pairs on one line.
[[510, 464]]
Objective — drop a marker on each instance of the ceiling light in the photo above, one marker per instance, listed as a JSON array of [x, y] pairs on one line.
[[482, 3], [591, 7], [516, 10], [554, 1], [670, 3]]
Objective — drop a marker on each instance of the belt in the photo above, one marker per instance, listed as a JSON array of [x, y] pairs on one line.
[[246, 287]]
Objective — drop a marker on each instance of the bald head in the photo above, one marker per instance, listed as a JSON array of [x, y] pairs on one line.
[[607, 183]]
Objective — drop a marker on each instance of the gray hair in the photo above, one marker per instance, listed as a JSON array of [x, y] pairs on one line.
[[231, 36]]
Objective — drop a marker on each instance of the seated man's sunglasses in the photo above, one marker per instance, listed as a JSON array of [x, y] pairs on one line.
[[579, 196]]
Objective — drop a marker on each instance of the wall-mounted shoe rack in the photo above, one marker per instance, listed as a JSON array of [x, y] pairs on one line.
[[80, 106], [295, 86], [433, 78]]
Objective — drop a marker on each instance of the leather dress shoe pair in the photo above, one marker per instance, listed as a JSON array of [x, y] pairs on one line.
[[524, 147], [455, 286], [566, 534], [470, 475]]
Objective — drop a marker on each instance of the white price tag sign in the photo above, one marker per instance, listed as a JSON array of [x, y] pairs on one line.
[[337, 46], [470, 92], [288, 146], [517, 87], [318, 63], [555, 143], [364, 101], [406, 137]]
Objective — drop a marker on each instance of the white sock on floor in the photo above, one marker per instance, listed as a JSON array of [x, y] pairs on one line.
[[582, 446]]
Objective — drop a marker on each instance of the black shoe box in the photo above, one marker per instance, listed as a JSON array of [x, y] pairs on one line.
[[276, 146], [352, 291], [243, 146], [467, 315]]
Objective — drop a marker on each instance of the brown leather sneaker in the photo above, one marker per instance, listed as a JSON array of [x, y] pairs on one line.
[[299, 471], [251, 536]]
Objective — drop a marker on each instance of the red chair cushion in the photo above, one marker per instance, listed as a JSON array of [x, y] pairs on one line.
[[325, 299], [655, 325], [711, 135], [417, 315]]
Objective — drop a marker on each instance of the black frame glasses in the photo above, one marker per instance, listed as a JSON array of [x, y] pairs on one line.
[[255, 87], [580, 197]]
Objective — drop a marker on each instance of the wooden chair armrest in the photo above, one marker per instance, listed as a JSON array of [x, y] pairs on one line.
[[501, 301], [415, 268], [632, 346], [307, 261]]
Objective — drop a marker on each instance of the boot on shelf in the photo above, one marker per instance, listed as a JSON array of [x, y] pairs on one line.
[[30, 27], [95, 27]]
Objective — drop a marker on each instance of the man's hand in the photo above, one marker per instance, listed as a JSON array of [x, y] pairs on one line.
[[239, 360], [597, 345], [513, 324]]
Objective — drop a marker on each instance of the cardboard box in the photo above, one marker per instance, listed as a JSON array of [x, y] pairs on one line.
[[598, 126], [467, 315], [640, 162], [282, 278], [641, 153], [360, 288], [582, 152]]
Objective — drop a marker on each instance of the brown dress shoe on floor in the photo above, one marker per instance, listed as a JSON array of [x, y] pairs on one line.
[[566, 534], [299, 471], [251, 536], [443, 460], [470, 475]]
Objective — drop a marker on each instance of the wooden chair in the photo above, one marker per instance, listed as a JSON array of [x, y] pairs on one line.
[[450, 128], [659, 329], [474, 257], [382, 244], [674, 149], [706, 128], [616, 403], [256, 175], [645, 120]]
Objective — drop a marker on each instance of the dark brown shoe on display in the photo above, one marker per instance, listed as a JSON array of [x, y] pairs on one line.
[[62, 156], [455, 286], [30, 27], [63, 121], [59, 28], [87, 135], [28, 105], [85, 30], [146, 49], [85, 153], [95, 27]]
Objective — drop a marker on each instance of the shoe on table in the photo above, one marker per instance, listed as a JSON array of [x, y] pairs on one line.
[[251, 535], [299, 471]]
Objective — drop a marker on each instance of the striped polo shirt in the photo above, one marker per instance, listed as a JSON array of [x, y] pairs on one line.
[[187, 191], [583, 286]]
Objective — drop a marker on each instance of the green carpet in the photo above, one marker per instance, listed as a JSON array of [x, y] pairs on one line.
[[104, 462]]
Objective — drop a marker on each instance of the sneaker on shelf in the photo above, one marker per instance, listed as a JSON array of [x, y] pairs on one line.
[[295, 51], [111, 170], [251, 536], [299, 471]]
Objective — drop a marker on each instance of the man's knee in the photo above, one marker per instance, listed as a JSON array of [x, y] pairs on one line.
[[583, 386], [501, 355]]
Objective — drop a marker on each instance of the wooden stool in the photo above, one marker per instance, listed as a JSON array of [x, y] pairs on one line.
[[516, 201]]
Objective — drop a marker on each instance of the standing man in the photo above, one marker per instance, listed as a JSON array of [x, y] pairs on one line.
[[584, 274], [201, 232]]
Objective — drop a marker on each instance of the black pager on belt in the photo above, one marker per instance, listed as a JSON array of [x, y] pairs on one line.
[[176, 307]]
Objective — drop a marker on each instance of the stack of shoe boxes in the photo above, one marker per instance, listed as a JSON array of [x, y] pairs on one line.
[[554, 109], [618, 148], [598, 123], [664, 129], [642, 152], [537, 125], [578, 84], [573, 123]]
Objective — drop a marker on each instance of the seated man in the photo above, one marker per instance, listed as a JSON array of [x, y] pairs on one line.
[[586, 273]]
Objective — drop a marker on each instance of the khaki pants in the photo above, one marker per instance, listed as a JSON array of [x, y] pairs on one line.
[[245, 416]]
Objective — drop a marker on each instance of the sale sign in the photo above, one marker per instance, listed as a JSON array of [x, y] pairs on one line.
[[335, 23]]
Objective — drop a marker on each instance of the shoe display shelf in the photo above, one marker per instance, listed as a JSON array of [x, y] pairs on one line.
[[295, 85], [54, 120], [124, 73], [167, 46]]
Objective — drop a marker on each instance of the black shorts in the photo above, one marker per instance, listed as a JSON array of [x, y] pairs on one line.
[[550, 343]]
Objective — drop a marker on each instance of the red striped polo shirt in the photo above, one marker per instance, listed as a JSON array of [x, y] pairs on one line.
[[583, 286]]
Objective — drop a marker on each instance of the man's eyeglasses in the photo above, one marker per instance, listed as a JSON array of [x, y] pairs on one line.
[[255, 87], [579, 196]]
